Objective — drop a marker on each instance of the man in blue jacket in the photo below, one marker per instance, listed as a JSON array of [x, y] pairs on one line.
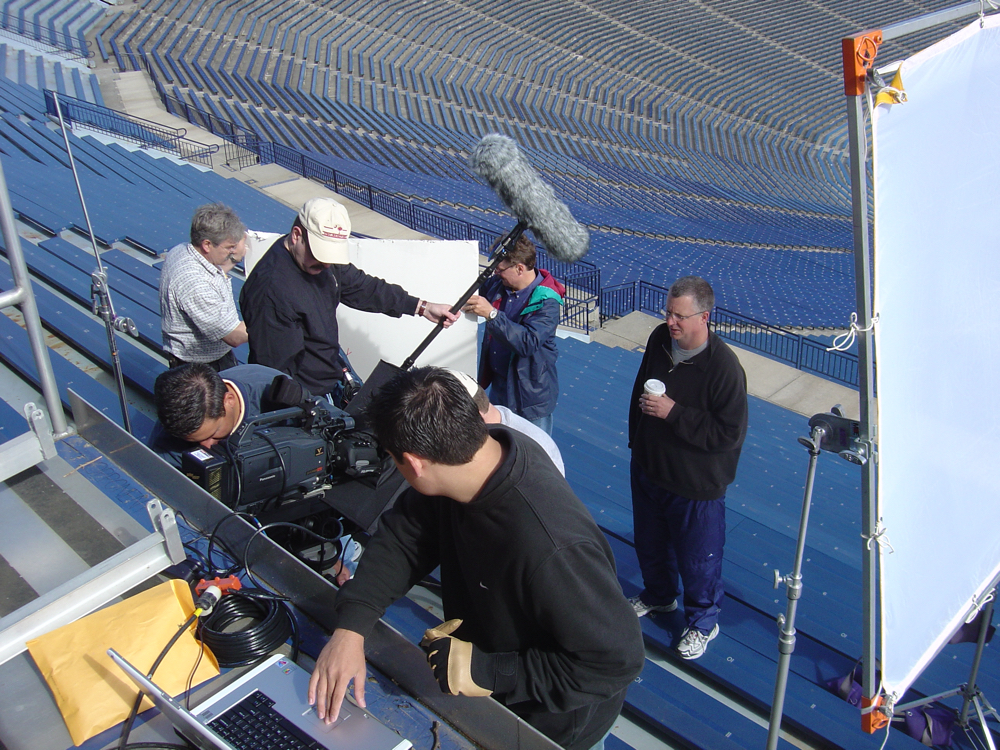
[[522, 306]]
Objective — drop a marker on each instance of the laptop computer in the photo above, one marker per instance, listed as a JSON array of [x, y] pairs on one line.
[[266, 708]]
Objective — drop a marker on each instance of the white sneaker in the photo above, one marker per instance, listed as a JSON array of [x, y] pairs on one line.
[[694, 642], [642, 609]]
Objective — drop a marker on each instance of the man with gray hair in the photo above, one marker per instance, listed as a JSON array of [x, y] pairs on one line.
[[686, 424], [197, 310]]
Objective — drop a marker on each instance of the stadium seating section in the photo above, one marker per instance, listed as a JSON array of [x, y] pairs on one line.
[[388, 98]]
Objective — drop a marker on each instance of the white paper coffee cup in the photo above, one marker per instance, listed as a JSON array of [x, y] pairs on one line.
[[654, 387]]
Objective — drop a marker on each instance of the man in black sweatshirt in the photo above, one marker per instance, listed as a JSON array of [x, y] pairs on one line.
[[685, 447], [535, 614]]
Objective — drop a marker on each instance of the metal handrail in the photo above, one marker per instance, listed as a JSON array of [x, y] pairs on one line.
[[21, 453], [131, 128], [20, 28]]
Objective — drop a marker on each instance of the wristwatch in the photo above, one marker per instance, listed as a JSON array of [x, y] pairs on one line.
[[493, 314]]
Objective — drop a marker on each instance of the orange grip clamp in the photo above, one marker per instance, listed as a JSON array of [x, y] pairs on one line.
[[232, 583], [858, 53], [872, 717]]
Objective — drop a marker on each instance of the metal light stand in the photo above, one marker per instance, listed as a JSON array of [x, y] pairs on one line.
[[99, 291], [972, 696], [830, 432]]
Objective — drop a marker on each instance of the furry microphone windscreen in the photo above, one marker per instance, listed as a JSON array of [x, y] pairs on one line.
[[498, 160]]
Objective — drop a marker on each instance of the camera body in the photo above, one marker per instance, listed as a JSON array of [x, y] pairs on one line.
[[292, 455]]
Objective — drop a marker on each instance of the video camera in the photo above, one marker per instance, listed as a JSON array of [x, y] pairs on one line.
[[298, 459]]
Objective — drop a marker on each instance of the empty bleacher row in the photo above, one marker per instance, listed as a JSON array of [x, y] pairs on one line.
[[43, 71], [795, 288], [62, 24], [431, 104], [134, 198]]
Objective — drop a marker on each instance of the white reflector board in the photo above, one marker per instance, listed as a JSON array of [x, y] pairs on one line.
[[434, 270], [937, 344]]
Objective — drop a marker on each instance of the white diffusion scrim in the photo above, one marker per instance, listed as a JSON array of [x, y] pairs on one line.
[[937, 344]]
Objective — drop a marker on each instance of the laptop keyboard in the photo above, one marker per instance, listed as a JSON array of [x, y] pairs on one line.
[[253, 724]]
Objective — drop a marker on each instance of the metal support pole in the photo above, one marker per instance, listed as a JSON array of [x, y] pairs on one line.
[[866, 379], [26, 303], [971, 691], [103, 306], [793, 588]]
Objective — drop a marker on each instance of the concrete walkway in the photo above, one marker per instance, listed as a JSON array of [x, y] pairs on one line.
[[767, 379]]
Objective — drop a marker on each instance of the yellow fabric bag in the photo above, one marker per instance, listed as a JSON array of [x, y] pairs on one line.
[[92, 693]]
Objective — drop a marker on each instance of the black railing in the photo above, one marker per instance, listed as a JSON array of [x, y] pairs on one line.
[[651, 299], [129, 128], [22, 27], [794, 349], [786, 346], [617, 301], [207, 121]]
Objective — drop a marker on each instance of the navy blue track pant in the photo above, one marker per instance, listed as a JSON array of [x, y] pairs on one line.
[[679, 538]]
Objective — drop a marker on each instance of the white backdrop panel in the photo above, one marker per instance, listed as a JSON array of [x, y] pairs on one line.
[[435, 270], [937, 343]]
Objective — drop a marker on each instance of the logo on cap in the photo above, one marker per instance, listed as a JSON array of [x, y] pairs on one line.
[[336, 233]]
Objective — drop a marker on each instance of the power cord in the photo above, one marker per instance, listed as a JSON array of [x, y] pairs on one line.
[[335, 540], [203, 606]]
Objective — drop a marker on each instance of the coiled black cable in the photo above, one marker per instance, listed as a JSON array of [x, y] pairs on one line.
[[271, 625]]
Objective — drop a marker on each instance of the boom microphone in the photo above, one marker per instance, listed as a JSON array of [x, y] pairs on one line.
[[498, 160]]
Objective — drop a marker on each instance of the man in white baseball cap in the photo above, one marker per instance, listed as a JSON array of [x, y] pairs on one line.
[[289, 302]]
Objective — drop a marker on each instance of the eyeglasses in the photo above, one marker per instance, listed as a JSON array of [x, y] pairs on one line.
[[668, 315], [501, 269]]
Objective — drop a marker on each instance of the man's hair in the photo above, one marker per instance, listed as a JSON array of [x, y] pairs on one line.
[[696, 287], [216, 222], [481, 400], [523, 252], [302, 229], [186, 396], [428, 413]]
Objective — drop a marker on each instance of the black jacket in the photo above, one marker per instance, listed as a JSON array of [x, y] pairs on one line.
[[526, 568], [291, 315], [694, 451]]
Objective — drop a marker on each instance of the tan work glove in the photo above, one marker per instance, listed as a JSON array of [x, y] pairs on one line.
[[451, 660]]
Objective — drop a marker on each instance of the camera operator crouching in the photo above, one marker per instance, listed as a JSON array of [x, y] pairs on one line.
[[218, 429]]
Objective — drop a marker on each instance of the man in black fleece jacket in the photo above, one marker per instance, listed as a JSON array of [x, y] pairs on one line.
[[685, 447], [535, 614]]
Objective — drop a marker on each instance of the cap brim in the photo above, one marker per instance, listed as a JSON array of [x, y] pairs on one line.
[[329, 251]]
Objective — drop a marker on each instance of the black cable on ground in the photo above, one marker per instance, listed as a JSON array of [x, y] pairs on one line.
[[271, 625]]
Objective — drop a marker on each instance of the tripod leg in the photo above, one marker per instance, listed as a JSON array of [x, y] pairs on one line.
[[989, 708], [987, 734]]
